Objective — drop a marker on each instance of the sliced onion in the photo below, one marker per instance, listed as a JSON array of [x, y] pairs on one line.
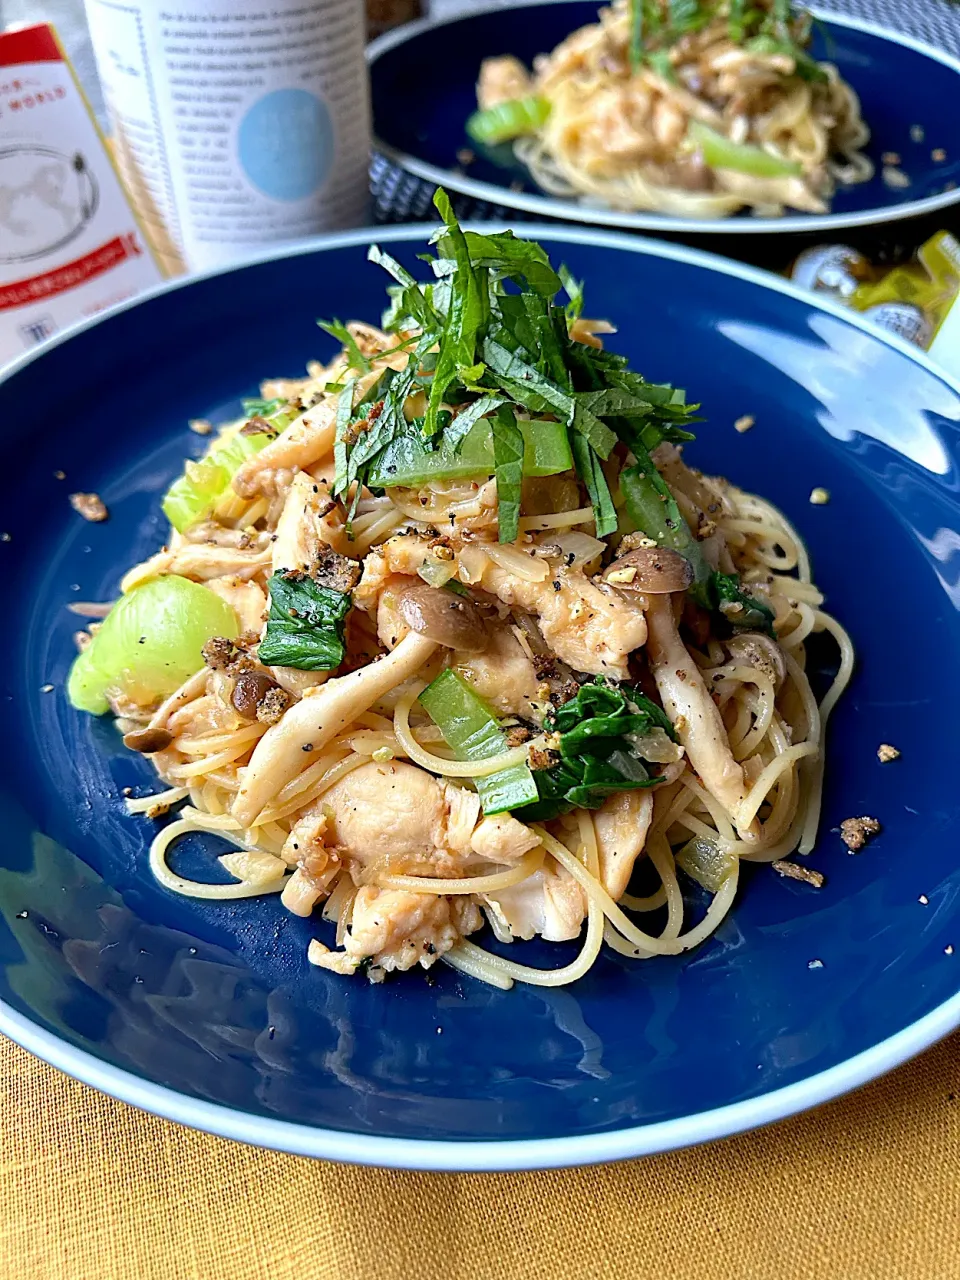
[[437, 573], [581, 546], [517, 562], [253, 866], [706, 863], [473, 562], [656, 746]]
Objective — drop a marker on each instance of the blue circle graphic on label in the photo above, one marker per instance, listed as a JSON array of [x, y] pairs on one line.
[[285, 144]]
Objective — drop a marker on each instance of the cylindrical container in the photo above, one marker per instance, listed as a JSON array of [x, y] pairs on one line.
[[236, 125]]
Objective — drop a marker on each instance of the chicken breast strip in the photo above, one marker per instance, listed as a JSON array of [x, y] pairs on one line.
[[395, 817], [309, 725], [591, 628], [549, 904], [246, 599], [199, 563], [308, 520], [397, 929], [621, 824], [693, 713]]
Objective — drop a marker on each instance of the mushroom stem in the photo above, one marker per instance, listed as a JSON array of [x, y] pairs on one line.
[[306, 441], [316, 718], [693, 712]]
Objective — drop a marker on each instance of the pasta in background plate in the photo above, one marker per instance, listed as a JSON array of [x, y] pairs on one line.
[[448, 632], [693, 108]]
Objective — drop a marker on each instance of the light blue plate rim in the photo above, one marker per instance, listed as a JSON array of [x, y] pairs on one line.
[[570, 211], [510, 1154]]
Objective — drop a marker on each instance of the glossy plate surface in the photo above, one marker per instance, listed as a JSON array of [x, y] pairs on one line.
[[423, 79], [209, 1013]]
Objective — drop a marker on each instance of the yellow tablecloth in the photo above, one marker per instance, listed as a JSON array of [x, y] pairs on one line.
[[864, 1189]]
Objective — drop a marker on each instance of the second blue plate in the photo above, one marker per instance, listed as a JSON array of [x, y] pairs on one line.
[[423, 79]]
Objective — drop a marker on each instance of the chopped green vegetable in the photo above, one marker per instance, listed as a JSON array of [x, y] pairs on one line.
[[736, 19], [354, 452], [741, 610], [407, 461], [659, 60], [705, 862], [194, 494], [471, 730], [255, 408], [509, 257], [469, 308], [807, 68], [595, 482], [574, 291], [482, 348], [653, 510], [636, 33], [391, 265], [508, 120], [720, 152], [468, 418], [546, 447], [149, 643], [337, 329], [532, 388], [683, 14], [305, 627], [508, 469], [341, 438], [598, 734]]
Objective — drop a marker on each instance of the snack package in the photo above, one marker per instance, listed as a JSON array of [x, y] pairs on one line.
[[917, 301], [69, 242]]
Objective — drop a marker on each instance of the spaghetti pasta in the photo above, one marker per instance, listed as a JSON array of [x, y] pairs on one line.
[[434, 723]]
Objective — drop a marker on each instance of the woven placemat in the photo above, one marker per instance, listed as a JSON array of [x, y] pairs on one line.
[[935, 21], [399, 196]]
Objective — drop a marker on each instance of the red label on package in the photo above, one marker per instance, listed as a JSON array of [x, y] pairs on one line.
[[71, 273], [69, 242]]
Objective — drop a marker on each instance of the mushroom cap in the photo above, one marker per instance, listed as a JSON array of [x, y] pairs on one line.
[[249, 689], [148, 740], [651, 571], [443, 617]]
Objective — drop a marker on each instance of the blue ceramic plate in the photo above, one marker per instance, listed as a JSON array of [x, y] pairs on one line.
[[423, 79], [209, 1013]]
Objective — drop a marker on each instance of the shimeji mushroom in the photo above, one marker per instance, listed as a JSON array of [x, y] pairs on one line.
[[693, 712], [440, 615], [435, 617], [315, 719], [652, 571], [304, 442]]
